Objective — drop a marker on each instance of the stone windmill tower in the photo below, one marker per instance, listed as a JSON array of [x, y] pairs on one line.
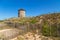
[[21, 13]]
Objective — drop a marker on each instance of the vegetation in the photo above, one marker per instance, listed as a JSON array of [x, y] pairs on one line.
[[48, 26]]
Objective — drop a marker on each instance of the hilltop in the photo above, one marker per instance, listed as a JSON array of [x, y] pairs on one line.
[[50, 18]]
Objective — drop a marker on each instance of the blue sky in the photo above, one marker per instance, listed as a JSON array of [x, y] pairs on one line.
[[9, 8]]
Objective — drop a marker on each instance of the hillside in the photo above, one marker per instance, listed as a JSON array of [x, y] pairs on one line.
[[53, 17], [47, 25], [35, 22]]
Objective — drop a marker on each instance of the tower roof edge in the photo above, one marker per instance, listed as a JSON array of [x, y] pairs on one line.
[[21, 10]]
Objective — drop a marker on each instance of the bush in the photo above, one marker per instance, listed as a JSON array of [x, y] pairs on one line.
[[46, 30], [50, 30]]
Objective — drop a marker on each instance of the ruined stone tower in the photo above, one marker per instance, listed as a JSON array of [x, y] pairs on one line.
[[21, 13]]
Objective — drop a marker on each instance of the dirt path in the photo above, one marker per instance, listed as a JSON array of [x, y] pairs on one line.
[[1, 25], [9, 33]]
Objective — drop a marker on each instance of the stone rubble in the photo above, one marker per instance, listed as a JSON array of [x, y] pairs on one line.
[[30, 36]]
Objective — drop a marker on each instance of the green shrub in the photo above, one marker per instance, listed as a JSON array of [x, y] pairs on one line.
[[46, 30], [33, 21]]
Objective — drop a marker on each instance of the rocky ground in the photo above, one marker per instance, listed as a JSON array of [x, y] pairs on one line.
[[13, 34], [31, 36]]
